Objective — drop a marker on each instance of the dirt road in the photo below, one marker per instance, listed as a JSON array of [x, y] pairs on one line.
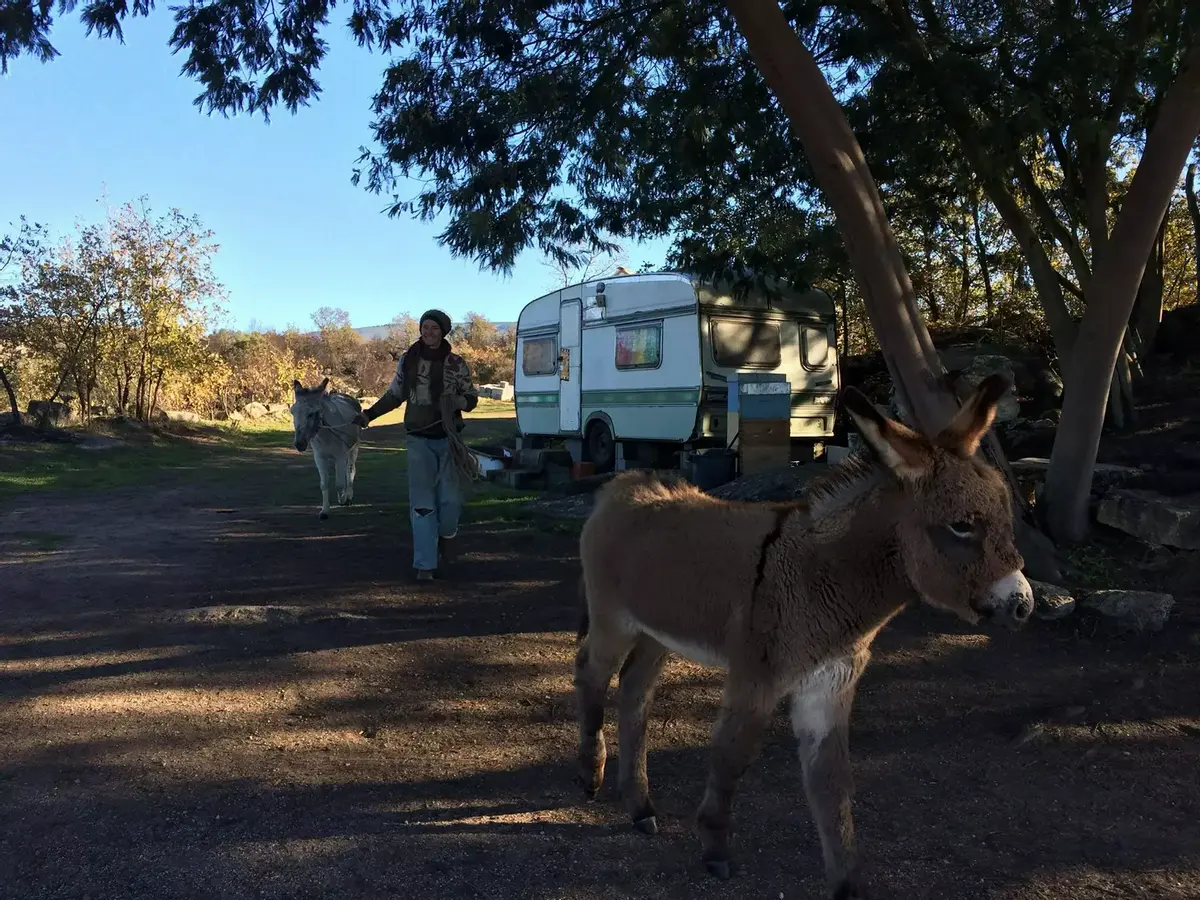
[[344, 733]]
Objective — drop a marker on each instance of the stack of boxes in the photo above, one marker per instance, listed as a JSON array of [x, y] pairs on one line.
[[760, 414]]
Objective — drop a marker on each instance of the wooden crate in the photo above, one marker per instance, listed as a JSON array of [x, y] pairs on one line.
[[764, 445]]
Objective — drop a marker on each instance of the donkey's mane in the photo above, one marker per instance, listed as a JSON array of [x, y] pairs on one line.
[[843, 483], [338, 395], [334, 396], [825, 494]]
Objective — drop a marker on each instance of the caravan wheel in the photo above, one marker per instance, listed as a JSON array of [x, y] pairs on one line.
[[600, 447]]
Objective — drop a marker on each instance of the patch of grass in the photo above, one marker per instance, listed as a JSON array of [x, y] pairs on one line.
[[493, 503], [258, 449], [40, 540], [1095, 565], [71, 467]]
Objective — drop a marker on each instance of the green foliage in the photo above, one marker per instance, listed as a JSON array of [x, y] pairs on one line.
[[571, 125]]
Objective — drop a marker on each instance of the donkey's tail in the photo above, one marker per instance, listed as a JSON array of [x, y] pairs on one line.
[[584, 619]]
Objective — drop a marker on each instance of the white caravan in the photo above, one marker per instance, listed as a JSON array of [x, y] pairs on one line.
[[643, 360]]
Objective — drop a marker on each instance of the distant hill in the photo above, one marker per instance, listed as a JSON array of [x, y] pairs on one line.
[[371, 332]]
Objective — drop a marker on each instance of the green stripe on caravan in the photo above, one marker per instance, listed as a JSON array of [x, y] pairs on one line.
[[642, 397], [550, 399]]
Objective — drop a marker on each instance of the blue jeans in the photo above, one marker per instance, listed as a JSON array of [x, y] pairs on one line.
[[434, 503]]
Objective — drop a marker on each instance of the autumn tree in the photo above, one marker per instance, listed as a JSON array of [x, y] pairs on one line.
[[489, 350], [26, 243], [340, 348], [403, 332], [120, 309]]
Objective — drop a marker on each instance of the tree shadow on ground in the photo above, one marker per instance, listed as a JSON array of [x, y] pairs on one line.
[[526, 832], [378, 739]]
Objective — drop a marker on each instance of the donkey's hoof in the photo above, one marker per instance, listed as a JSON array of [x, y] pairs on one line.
[[719, 868], [849, 891], [323, 516], [590, 791], [646, 825]]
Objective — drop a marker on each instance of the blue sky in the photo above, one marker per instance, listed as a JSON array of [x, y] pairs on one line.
[[295, 234]]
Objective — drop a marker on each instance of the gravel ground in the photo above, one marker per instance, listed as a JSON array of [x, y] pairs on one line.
[[205, 695]]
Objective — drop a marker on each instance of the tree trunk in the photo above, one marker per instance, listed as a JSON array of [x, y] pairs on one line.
[[1111, 292], [1148, 304], [845, 316], [12, 397], [917, 373], [985, 271], [1120, 396], [1189, 185], [154, 398], [926, 281], [964, 300]]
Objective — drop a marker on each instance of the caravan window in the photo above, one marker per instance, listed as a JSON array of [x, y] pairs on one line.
[[744, 344], [814, 343], [639, 346], [539, 356]]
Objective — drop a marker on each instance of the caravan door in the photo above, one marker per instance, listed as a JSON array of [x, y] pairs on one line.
[[569, 394]]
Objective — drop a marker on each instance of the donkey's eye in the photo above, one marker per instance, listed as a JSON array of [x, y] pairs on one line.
[[961, 530]]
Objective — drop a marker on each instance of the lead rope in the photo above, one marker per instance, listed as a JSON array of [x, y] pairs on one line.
[[462, 460], [325, 426]]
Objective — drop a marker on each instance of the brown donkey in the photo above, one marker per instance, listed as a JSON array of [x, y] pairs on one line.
[[786, 598]]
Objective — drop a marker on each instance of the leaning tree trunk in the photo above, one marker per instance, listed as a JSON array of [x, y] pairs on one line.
[[917, 373], [12, 397], [1110, 295], [1194, 211]]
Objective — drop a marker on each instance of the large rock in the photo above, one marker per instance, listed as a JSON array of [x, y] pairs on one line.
[[47, 412], [1008, 409], [255, 410], [1155, 519], [279, 410], [1051, 601], [1039, 465], [180, 415], [1131, 610]]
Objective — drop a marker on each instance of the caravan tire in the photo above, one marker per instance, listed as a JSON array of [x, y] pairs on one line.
[[600, 447]]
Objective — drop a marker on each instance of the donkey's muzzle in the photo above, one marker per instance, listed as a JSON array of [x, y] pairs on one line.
[[301, 446], [1010, 600]]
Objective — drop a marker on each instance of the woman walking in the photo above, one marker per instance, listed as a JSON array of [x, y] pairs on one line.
[[436, 386]]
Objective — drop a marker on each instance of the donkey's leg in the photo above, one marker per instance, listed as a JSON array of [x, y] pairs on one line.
[[598, 657], [821, 720], [737, 739], [639, 678], [342, 463], [351, 470], [324, 464]]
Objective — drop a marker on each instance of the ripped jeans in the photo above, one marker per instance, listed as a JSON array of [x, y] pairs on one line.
[[434, 503]]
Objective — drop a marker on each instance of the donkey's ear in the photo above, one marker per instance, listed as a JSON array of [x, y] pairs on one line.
[[971, 423], [898, 447], [296, 385], [324, 384]]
